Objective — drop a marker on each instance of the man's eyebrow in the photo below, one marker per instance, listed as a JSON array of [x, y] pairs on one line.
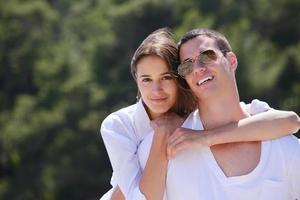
[[187, 59], [166, 73], [199, 52]]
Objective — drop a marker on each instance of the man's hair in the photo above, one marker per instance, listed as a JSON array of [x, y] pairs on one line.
[[220, 40]]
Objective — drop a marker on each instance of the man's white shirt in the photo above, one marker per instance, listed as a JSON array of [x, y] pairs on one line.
[[195, 174]]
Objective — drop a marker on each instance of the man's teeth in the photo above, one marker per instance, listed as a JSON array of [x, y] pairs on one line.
[[204, 80]]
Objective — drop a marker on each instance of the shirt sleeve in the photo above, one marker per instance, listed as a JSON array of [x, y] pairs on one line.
[[257, 106], [107, 195], [121, 145]]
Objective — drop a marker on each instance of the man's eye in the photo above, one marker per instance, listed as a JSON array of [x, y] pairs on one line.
[[207, 56], [189, 63], [168, 77]]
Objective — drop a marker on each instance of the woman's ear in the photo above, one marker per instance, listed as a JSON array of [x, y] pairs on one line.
[[232, 59]]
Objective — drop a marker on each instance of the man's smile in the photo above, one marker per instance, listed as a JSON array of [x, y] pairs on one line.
[[205, 80]]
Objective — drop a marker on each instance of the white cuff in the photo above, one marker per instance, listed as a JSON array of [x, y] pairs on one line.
[[258, 106]]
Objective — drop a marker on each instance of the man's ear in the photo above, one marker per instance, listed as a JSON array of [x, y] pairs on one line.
[[232, 60]]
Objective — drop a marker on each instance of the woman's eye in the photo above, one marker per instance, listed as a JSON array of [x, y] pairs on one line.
[[146, 80]]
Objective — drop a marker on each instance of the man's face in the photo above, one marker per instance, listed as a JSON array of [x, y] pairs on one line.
[[206, 78]]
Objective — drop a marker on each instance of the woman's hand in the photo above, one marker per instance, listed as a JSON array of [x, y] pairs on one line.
[[169, 128], [166, 124], [184, 138]]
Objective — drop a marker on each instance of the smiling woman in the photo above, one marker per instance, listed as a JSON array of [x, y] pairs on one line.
[[157, 85], [158, 54]]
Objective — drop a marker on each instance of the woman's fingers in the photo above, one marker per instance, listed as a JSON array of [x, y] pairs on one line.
[[176, 144], [175, 135], [179, 140], [183, 139], [174, 149]]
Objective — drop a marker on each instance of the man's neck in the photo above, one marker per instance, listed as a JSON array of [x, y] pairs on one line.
[[220, 111]]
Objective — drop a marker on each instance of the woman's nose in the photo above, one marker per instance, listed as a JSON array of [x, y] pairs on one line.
[[156, 86]]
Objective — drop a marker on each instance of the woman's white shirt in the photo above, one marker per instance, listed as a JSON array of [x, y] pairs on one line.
[[123, 132]]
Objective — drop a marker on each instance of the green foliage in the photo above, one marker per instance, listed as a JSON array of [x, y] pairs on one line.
[[64, 65]]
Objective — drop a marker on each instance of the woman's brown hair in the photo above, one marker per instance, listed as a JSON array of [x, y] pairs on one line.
[[162, 44]]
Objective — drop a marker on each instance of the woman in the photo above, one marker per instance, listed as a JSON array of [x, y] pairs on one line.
[[136, 137]]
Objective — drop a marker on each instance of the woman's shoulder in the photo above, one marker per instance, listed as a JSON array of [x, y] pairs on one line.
[[122, 115], [132, 120], [119, 124]]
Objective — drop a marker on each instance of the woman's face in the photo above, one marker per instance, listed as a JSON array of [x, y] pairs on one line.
[[156, 84]]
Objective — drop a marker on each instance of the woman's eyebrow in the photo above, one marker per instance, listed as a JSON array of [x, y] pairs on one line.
[[147, 76], [144, 75]]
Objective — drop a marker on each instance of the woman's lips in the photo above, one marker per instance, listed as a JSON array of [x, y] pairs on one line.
[[158, 99]]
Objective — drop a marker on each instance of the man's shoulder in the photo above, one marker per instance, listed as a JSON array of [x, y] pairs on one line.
[[256, 106], [289, 141], [289, 146]]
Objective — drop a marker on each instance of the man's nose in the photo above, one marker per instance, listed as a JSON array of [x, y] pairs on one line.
[[198, 67]]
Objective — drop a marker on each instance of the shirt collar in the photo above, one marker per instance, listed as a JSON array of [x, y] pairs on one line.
[[141, 120], [193, 121]]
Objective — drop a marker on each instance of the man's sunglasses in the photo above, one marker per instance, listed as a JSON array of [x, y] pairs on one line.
[[204, 58]]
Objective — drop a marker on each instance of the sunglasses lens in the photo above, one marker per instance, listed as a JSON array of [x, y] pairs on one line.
[[207, 57], [185, 68]]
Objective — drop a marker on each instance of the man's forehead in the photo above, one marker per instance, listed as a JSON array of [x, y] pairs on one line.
[[202, 41], [194, 46]]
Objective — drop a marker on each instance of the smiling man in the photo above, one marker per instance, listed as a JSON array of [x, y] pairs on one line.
[[248, 170]]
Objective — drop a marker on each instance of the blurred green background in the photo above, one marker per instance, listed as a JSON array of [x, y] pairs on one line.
[[64, 65]]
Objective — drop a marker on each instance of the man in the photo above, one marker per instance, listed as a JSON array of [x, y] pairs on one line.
[[248, 170]]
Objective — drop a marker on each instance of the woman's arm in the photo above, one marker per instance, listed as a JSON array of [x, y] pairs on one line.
[[130, 181], [263, 126], [152, 183], [153, 180]]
